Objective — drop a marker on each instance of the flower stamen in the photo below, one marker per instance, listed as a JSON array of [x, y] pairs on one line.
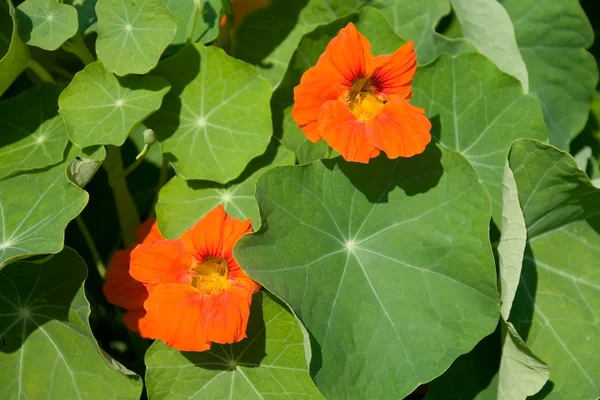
[[210, 276]]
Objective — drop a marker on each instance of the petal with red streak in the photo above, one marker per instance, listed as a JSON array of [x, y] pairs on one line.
[[393, 73]]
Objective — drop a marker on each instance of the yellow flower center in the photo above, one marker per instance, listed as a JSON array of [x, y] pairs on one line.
[[362, 99], [210, 276]]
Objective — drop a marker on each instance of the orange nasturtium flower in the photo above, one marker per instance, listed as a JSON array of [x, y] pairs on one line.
[[197, 292], [358, 103]]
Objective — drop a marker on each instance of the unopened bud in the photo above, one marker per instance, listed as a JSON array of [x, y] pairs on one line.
[[149, 137]]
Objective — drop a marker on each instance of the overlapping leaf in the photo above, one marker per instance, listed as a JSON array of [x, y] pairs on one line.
[[552, 36], [46, 23], [372, 25], [48, 350], [33, 134], [83, 168], [86, 15], [269, 36], [416, 20], [555, 308], [390, 262], [478, 111], [216, 117], [132, 34], [269, 364], [35, 208], [182, 203], [13, 52], [100, 108], [196, 20]]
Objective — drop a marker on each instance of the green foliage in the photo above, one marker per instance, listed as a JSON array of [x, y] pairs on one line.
[[469, 271]]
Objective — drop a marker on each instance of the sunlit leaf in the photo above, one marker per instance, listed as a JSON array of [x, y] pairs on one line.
[[33, 134], [478, 111], [487, 25], [206, 25], [182, 203], [416, 20], [132, 34], [216, 116], [552, 36], [13, 52], [555, 308], [101, 108], [388, 265], [48, 350], [46, 23], [269, 364], [35, 208]]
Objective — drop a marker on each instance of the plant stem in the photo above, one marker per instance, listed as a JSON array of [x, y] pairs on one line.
[[129, 218], [77, 46], [40, 71], [62, 72], [92, 246], [138, 160], [192, 24]]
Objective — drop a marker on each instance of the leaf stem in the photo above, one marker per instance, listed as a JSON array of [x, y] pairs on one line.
[[92, 246], [138, 160], [162, 179], [62, 72], [40, 71], [129, 218], [192, 24], [77, 46]]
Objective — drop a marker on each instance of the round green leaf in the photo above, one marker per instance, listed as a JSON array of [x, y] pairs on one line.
[[48, 350], [132, 34], [555, 308], [101, 108], [14, 54], [417, 20], [477, 110], [33, 134], [46, 23], [35, 209], [388, 265], [205, 21], [216, 117], [182, 203], [552, 36], [269, 364]]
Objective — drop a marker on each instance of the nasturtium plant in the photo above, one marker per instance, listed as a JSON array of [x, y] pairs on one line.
[[286, 199]]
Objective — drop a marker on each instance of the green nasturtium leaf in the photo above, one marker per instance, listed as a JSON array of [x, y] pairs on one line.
[[86, 15], [555, 308], [182, 203], [132, 34], [82, 169], [33, 134], [35, 208], [477, 110], [416, 20], [521, 374], [101, 108], [268, 37], [206, 25], [383, 40], [269, 364], [46, 23], [216, 116], [388, 265], [48, 350], [487, 25], [14, 54], [552, 36]]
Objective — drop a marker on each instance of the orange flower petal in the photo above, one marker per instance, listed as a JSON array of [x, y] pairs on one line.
[[148, 232], [225, 315], [309, 98], [401, 130], [165, 261], [345, 134], [120, 288], [132, 318], [173, 315], [215, 234], [394, 73]]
